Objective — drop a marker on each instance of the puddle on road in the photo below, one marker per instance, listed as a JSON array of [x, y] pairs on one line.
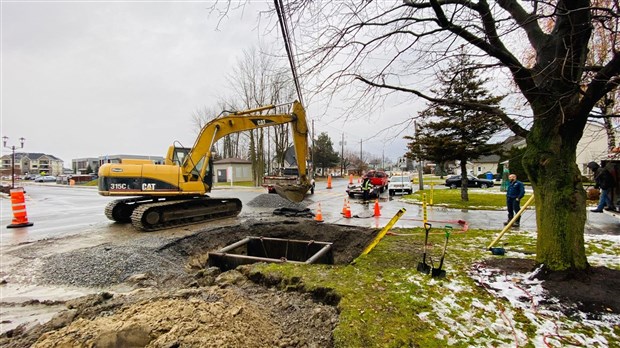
[[29, 303]]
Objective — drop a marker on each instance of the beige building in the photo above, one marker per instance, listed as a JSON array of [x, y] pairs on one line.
[[32, 163], [241, 170]]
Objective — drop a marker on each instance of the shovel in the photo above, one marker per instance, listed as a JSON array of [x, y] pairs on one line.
[[438, 272], [423, 266]]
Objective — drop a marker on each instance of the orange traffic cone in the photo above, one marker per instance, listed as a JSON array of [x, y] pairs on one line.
[[329, 181], [20, 219], [319, 214], [377, 209], [344, 207], [350, 179], [347, 212]]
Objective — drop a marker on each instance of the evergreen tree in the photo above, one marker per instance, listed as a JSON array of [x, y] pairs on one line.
[[324, 154], [451, 132]]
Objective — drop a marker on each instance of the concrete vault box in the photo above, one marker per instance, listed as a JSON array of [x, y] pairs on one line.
[[273, 250]]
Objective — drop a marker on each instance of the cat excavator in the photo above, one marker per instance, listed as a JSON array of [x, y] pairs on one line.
[[174, 193]]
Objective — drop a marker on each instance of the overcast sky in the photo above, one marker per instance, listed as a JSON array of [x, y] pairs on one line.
[[87, 79]]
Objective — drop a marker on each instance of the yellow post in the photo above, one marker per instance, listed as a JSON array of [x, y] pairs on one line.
[[425, 218], [382, 233], [507, 227], [432, 192]]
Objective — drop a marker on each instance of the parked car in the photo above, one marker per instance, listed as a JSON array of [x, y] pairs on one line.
[[400, 183], [378, 178], [45, 178], [455, 181]]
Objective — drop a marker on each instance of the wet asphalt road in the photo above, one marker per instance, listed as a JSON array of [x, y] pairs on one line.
[[60, 211]]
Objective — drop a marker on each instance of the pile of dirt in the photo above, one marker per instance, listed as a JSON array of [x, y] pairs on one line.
[[232, 312]]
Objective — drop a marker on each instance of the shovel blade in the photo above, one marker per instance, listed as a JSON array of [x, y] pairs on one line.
[[424, 268], [438, 273]]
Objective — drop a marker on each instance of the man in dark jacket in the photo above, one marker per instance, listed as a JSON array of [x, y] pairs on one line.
[[605, 181], [514, 193]]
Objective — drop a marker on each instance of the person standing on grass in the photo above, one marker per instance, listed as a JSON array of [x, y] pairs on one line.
[[514, 193]]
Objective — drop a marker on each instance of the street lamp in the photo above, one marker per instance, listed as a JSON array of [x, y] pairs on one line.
[[4, 140]]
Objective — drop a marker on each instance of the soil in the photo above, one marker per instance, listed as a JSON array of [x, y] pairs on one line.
[[205, 307]]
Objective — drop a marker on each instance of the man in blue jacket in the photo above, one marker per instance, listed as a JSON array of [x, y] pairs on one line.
[[514, 193]]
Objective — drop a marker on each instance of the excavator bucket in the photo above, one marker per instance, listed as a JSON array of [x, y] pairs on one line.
[[294, 193]]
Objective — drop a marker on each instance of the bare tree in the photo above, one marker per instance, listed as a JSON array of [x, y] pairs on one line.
[[230, 144], [259, 80], [386, 48]]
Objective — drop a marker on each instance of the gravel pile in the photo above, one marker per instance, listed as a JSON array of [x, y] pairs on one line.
[[267, 200], [105, 265]]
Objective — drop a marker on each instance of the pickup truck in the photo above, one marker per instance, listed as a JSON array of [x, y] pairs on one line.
[[286, 176], [378, 178], [353, 190]]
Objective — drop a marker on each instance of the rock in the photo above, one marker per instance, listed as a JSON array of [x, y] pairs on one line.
[[137, 278], [63, 319], [133, 335], [230, 278]]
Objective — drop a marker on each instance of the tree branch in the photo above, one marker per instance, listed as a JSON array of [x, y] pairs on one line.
[[523, 76], [527, 21], [603, 82], [512, 125]]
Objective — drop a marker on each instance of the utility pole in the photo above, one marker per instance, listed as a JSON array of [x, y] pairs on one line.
[[420, 164], [342, 156], [361, 159], [312, 151], [4, 140], [383, 159]]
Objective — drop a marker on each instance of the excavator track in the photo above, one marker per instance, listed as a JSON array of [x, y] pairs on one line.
[[161, 215], [120, 210]]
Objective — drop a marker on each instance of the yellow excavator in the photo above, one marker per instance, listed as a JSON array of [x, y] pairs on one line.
[[174, 193]]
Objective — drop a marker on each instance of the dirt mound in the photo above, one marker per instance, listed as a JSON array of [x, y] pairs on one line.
[[232, 313]]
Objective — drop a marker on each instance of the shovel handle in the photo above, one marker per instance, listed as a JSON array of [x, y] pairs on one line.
[[445, 246], [427, 229]]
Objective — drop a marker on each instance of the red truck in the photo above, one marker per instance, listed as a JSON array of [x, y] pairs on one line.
[[378, 178]]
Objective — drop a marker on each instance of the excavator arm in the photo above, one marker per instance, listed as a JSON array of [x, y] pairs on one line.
[[195, 166]]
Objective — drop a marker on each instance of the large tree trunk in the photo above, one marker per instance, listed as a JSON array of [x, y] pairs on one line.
[[550, 162]]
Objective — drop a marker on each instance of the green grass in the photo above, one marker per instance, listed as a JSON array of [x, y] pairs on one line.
[[385, 302], [477, 199]]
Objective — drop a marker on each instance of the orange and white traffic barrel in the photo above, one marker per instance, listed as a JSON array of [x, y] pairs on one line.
[[18, 202]]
